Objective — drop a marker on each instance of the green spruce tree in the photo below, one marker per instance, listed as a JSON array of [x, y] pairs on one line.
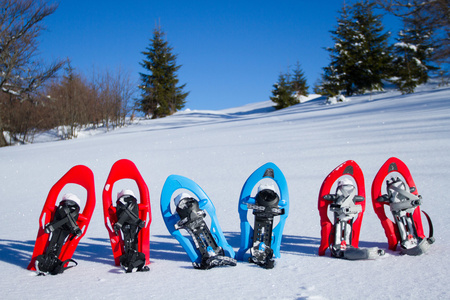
[[283, 92], [335, 77], [360, 58], [298, 82], [413, 53], [373, 52], [437, 21], [160, 94]]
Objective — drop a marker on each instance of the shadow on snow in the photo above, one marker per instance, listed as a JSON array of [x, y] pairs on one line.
[[162, 247]]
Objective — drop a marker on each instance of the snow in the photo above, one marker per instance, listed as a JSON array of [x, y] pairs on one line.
[[405, 45], [219, 150], [10, 91]]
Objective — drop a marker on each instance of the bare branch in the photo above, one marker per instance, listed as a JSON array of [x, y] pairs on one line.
[[20, 26]]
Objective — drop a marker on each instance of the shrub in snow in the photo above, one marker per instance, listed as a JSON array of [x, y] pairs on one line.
[[336, 99]]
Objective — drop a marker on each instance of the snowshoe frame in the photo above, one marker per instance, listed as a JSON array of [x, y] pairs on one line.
[[379, 200], [126, 169], [246, 201], [80, 175], [350, 168]]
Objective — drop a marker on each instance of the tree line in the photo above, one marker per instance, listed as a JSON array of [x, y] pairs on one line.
[[362, 59], [67, 104]]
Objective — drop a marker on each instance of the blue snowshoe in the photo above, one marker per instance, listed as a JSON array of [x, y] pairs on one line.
[[271, 200], [207, 247]]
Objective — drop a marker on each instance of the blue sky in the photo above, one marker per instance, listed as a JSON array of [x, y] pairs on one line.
[[231, 52]]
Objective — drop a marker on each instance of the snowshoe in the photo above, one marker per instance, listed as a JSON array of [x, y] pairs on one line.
[[404, 202], [207, 248], [128, 223], [347, 205], [263, 240], [61, 227]]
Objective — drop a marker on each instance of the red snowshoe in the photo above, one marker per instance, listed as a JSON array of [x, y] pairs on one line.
[[128, 222], [62, 227], [347, 205], [404, 202]]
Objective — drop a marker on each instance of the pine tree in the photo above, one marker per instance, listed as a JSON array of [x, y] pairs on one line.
[[360, 58], [335, 78], [283, 93], [413, 52], [438, 20], [373, 51], [332, 81], [160, 94], [298, 82]]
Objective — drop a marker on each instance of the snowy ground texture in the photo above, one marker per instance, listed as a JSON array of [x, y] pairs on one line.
[[219, 150]]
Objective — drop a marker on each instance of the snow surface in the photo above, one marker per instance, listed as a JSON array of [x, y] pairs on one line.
[[219, 150]]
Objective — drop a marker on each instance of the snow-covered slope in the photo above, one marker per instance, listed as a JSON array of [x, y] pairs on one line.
[[219, 150]]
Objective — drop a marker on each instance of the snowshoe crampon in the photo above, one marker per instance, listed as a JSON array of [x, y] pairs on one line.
[[62, 226], [270, 201], [347, 205], [207, 246], [404, 202], [128, 222]]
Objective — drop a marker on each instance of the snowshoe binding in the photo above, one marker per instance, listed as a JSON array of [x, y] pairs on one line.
[[207, 246], [404, 203], [346, 211], [192, 220], [128, 226], [347, 205], [264, 210], [63, 227], [263, 239]]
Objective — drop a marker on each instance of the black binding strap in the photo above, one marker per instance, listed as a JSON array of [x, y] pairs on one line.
[[265, 209], [63, 226], [129, 224], [430, 238]]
